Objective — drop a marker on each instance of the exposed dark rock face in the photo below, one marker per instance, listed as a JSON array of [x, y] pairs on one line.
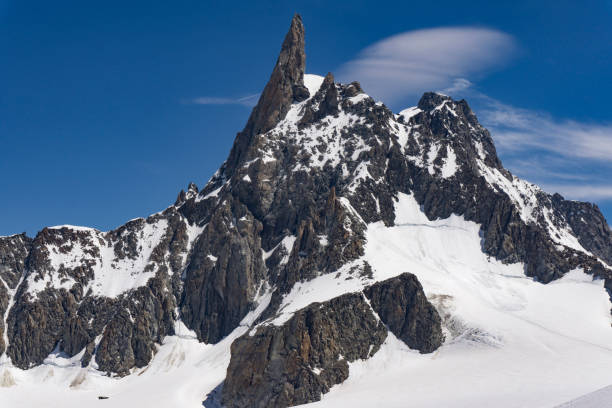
[[13, 253], [324, 103], [70, 317], [129, 338], [4, 303], [286, 85], [588, 224], [224, 274], [402, 306], [295, 363], [34, 328]]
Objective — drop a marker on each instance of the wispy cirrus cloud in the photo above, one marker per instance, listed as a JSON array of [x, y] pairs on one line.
[[561, 155], [410, 63], [570, 177], [459, 85], [581, 191], [517, 129], [547, 167], [249, 100]]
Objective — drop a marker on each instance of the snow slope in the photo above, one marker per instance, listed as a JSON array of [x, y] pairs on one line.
[[509, 339], [180, 375], [598, 399]]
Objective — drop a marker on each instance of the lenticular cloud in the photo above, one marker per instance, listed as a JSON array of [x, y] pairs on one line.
[[424, 60]]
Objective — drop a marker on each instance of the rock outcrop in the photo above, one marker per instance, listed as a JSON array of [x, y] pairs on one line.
[[85, 289], [295, 363], [13, 254], [298, 361], [224, 274], [402, 305]]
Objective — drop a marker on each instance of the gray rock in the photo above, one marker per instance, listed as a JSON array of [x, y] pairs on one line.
[[286, 85], [4, 302], [70, 320], [295, 363], [14, 251], [402, 306], [224, 273]]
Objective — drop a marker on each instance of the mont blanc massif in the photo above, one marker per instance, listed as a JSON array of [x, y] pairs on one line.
[[342, 255]]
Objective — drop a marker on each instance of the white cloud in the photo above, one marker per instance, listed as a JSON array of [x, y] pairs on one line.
[[546, 167], [249, 100], [561, 155], [570, 177], [413, 62], [459, 85], [581, 192], [516, 129]]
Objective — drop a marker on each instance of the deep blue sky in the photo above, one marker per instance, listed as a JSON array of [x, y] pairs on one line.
[[95, 128]]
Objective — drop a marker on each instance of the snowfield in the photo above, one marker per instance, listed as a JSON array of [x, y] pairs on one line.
[[598, 399], [510, 341]]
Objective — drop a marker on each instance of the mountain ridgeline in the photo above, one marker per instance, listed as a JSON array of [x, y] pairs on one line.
[[317, 163]]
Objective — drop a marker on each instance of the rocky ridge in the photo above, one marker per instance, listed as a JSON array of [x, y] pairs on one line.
[[317, 163]]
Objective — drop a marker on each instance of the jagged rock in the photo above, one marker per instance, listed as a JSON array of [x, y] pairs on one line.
[[323, 104], [4, 302], [13, 253], [192, 191], [295, 363], [149, 319], [589, 224], [223, 276], [35, 328], [115, 353], [71, 316], [402, 306], [472, 191], [353, 89], [286, 85]]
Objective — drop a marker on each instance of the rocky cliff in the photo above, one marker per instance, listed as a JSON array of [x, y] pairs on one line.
[[317, 164], [299, 360]]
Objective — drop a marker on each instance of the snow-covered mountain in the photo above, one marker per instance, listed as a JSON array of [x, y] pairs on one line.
[[343, 255]]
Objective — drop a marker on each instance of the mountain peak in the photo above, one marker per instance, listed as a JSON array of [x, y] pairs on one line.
[[285, 86], [301, 241], [430, 100], [286, 83]]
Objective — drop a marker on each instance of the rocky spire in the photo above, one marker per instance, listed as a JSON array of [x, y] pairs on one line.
[[286, 85]]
